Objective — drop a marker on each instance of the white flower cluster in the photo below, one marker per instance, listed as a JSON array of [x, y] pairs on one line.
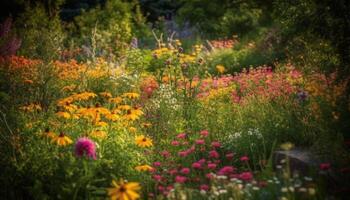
[[165, 96]]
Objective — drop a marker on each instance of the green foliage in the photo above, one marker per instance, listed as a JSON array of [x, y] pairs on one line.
[[42, 35]]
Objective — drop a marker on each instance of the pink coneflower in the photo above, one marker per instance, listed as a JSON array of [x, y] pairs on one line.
[[213, 154], [157, 177], [185, 170], [196, 165], [204, 187], [175, 143], [180, 179], [211, 165], [204, 133], [183, 153], [181, 136], [200, 141], [215, 144], [156, 164], [226, 170], [85, 146], [229, 156], [244, 158], [246, 176]]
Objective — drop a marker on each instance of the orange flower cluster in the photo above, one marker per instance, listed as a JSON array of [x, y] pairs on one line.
[[223, 44]]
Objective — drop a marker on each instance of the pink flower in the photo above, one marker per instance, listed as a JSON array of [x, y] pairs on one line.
[[226, 170], [211, 165], [166, 154], [200, 141], [214, 154], [175, 143], [201, 161], [156, 164], [196, 165], [160, 188], [85, 146], [325, 166], [246, 176], [185, 170], [204, 187], [157, 177], [204, 133], [181, 136], [229, 156], [180, 179], [215, 144], [183, 153], [172, 172], [209, 176], [244, 158]]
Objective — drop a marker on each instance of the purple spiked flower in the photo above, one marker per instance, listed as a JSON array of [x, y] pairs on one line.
[[85, 146]]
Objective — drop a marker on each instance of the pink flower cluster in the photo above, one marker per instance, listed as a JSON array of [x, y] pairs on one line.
[[194, 160]]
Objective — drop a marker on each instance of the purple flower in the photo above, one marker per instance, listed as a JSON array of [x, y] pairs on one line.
[[85, 146], [302, 95]]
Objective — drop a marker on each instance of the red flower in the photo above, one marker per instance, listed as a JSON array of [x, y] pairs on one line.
[[204, 133], [246, 176], [215, 144], [180, 179], [185, 170], [244, 158], [325, 166], [214, 154]]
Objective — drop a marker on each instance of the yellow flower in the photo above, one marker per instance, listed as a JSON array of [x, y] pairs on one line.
[[115, 100], [131, 95], [287, 146], [63, 114], [47, 133], [124, 190], [98, 134], [61, 140], [124, 107], [106, 94], [101, 123], [142, 168], [143, 141], [132, 129], [112, 116], [220, 68]]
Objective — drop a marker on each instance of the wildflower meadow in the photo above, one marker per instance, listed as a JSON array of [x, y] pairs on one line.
[[179, 100]]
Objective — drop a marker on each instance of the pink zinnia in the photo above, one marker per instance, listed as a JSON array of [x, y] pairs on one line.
[[204, 133], [181, 136], [196, 165], [185, 170], [215, 144], [85, 146], [213, 154], [200, 142], [244, 158], [246, 176], [180, 179]]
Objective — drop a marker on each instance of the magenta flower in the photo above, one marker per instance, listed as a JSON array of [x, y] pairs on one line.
[[181, 136], [209, 176], [244, 158], [201, 161], [213, 154], [185, 170], [226, 170], [230, 156], [211, 165], [204, 187], [246, 176], [180, 179], [204, 133], [172, 172], [200, 141], [85, 146], [196, 165], [157, 177], [156, 164], [175, 143], [215, 144], [183, 153], [166, 154]]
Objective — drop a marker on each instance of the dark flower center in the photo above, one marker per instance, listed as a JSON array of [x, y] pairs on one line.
[[122, 188]]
